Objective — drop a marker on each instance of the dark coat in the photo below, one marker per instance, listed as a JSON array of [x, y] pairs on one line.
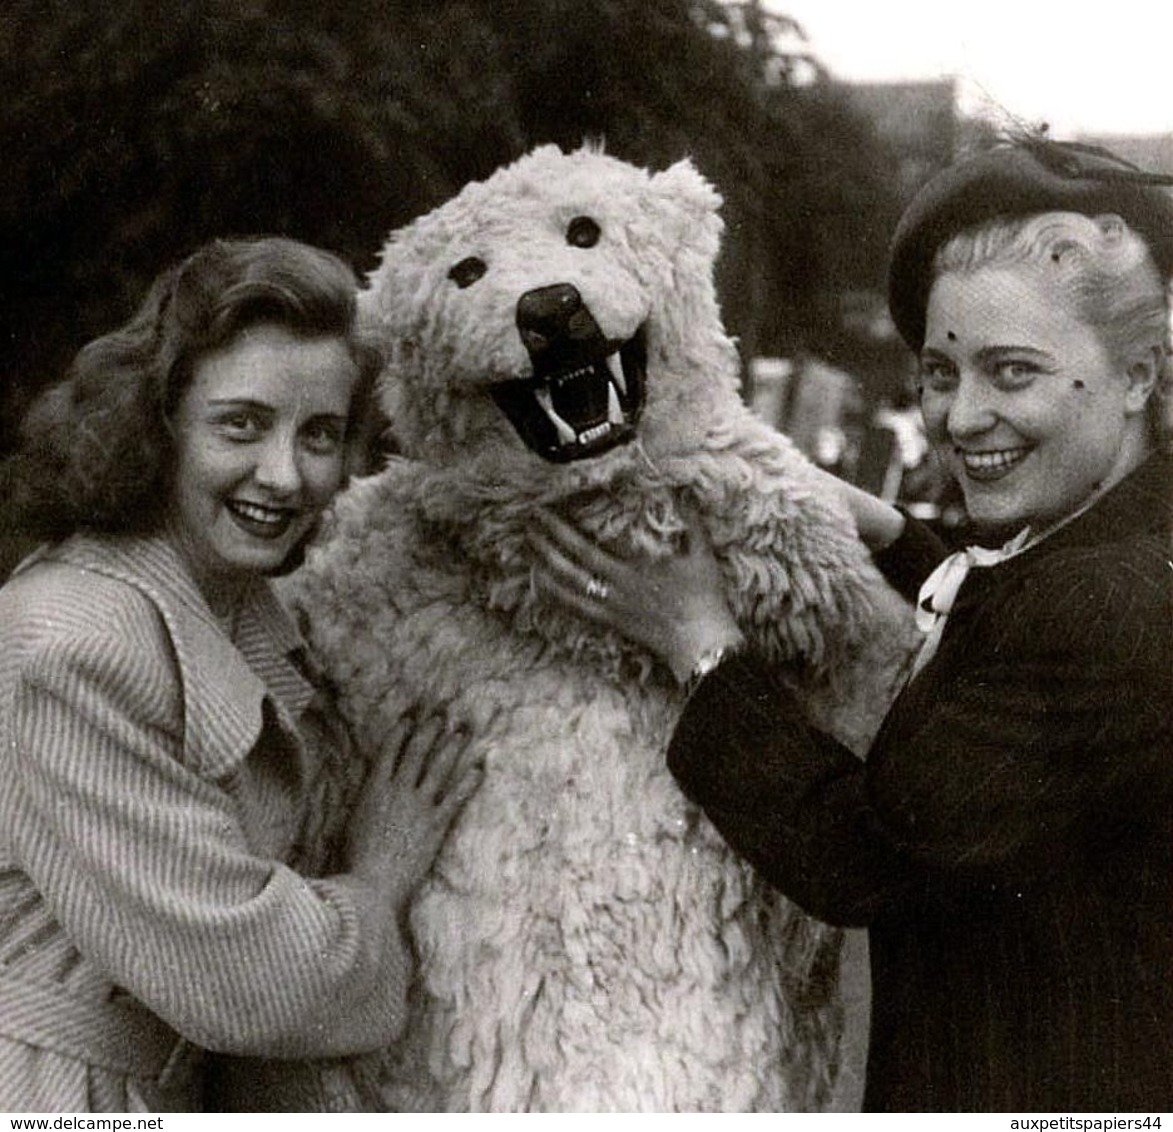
[[1008, 841]]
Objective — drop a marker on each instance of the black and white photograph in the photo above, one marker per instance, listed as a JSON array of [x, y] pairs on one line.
[[586, 556]]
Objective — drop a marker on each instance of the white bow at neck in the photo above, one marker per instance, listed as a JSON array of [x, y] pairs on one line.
[[939, 591]]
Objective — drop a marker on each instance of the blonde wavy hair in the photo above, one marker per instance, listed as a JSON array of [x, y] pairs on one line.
[[1102, 270]]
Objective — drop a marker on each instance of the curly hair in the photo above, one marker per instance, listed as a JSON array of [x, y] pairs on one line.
[[1101, 268], [97, 451]]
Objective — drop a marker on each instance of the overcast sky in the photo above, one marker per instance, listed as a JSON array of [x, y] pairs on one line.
[[1102, 67]]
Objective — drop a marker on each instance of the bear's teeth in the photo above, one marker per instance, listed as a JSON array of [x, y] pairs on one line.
[[615, 365], [572, 375], [566, 434], [595, 433], [614, 409]]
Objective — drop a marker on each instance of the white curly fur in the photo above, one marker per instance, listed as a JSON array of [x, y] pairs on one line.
[[586, 941]]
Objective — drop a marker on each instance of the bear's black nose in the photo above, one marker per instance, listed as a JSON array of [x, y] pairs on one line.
[[555, 319]]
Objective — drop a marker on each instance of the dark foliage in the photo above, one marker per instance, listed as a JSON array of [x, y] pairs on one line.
[[133, 130]]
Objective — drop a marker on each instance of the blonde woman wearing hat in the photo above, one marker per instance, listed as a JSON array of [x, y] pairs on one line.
[[1007, 843]]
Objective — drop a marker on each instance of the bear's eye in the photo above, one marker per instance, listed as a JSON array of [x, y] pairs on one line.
[[467, 271], [582, 232]]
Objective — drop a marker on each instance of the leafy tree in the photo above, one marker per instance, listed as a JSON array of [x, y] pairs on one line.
[[136, 129]]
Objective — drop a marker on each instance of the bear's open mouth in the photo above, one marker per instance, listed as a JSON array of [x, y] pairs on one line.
[[580, 411]]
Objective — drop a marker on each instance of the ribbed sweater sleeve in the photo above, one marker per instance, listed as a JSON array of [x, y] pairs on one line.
[[145, 862]]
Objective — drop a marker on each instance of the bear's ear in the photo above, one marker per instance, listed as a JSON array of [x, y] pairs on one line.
[[683, 184], [683, 195]]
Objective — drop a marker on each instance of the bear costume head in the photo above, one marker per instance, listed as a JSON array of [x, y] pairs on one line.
[[554, 313]]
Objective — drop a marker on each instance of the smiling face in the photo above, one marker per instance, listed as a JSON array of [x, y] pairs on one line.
[[260, 449], [1021, 399]]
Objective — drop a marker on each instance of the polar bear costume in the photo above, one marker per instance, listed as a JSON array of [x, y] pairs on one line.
[[586, 940]]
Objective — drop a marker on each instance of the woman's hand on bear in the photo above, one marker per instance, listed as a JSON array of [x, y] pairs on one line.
[[675, 606], [425, 773]]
